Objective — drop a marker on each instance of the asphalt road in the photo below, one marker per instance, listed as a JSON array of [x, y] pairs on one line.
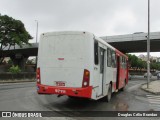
[[23, 97]]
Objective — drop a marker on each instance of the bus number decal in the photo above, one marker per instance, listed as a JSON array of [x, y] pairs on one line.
[[60, 91]]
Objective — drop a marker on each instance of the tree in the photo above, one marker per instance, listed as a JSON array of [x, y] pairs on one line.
[[140, 64], [12, 32], [133, 60], [158, 66], [136, 62], [144, 64]]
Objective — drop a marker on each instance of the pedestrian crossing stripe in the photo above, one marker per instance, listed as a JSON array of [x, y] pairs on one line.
[[154, 101], [153, 95]]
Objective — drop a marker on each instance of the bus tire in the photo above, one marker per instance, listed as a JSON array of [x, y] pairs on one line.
[[122, 89], [72, 97], [109, 93]]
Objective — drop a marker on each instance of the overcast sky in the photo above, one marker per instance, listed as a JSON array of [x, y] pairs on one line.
[[101, 17]]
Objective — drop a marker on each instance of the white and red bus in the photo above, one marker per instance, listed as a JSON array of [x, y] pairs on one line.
[[78, 64]]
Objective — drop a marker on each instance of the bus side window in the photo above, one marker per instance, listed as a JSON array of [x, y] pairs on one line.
[[121, 61], [113, 59], [96, 52], [125, 63], [109, 58]]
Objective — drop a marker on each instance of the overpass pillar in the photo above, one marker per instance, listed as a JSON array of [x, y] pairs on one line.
[[20, 60]]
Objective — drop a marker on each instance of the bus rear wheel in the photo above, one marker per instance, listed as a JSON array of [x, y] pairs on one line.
[[122, 89], [109, 93]]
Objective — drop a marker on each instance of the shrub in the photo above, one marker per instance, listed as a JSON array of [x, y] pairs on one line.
[[14, 69], [10, 62]]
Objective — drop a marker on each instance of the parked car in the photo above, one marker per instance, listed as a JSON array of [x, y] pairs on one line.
[[129, 76], [145, 75], [156, 73]]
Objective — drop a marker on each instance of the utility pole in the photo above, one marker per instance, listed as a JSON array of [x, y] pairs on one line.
[[148, 47], [36, 30], [36, 39]]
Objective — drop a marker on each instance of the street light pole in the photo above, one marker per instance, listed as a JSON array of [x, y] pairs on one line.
[[36, 30], [148, 47], [36, 39]]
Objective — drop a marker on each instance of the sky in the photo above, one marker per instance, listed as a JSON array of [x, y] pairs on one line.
[[101, 17]]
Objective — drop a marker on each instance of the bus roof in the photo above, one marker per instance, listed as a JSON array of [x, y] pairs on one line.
[[66, 33]]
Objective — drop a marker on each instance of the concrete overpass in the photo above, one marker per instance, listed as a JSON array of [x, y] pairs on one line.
[[129, 43], [136, 42], [27, 50], [19, 55]]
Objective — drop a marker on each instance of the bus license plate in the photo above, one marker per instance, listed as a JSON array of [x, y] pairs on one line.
[[59, 83]]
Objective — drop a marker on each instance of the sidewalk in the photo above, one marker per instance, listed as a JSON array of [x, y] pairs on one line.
[[154, 87]]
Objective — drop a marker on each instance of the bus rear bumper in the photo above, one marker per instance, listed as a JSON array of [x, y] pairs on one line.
[[69, 91]]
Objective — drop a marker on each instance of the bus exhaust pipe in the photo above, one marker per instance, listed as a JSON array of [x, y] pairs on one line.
[[59, 95]]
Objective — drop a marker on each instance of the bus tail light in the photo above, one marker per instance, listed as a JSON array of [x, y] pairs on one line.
[[38, 76], [86, 78]]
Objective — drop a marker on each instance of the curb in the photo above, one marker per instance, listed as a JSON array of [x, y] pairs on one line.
[[16, 81], [156, 93]]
